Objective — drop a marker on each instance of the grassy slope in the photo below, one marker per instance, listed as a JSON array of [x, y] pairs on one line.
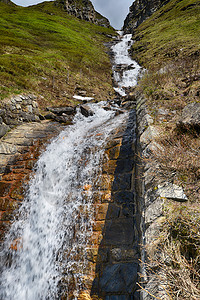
[[46, 51], [172, 31], [168, 45]]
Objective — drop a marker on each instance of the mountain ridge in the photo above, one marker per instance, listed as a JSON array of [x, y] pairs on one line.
[[84, 10], [139, 11]]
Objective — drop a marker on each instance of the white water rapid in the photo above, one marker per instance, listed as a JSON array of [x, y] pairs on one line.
[[55, 221], [125, 70]]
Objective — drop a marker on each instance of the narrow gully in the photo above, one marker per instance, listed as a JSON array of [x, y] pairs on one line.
[[54, 226]]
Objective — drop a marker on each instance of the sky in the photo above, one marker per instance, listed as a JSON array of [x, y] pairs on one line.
[[115, 10]]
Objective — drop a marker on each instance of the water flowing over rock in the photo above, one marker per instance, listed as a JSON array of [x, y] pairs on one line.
[[77, 232], [57, 208], [125, 69]]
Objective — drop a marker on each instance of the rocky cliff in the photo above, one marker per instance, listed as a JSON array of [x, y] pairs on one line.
[[140, 10], [84, 10], [6, 1]]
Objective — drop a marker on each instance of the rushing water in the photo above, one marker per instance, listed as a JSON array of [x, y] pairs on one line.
[[125, 69], [54, 223], [55, 220]]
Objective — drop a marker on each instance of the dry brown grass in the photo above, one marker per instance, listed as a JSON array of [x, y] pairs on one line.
[[171, 86], [179, 162], [175, 259]]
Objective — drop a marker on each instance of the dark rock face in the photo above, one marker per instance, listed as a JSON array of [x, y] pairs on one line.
[[84, 10], [86, 111], [6, 1], [117, 263], [68, 110], [140, 11]]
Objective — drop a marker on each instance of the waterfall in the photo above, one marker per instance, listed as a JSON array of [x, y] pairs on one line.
[[125, 69], [52, 229], [54, 223]]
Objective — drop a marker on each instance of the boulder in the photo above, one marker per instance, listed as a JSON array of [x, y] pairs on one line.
[[172, 191], [61, 119], [86, 110], [3, 129], [69, 110], [190, 117]]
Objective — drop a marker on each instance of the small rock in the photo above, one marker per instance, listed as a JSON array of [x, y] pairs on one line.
[[30, 108], [34, 104], [50, 116], [150, 134], [41, 117], [60, 119], [8, 149], [13, 100], [86, 110], [69, 110], [27, 117], [2, 112], [12, 107], [172, 191], [18, 99], [18, 106]]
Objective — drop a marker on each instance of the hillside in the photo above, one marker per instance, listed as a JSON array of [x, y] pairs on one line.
[[46, 51], [167, 45]]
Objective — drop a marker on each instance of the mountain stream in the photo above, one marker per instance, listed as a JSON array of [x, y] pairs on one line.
[[54, 223]]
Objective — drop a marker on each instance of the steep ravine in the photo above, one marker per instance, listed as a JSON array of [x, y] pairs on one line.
[[98, 254], [84, 205]]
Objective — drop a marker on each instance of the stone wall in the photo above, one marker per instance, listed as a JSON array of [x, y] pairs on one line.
[[117, 262], [128, 200], [153, 194], [16, 110]]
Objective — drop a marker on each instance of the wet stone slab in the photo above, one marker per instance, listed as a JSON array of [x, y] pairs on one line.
[[118, 252], [19, 151]]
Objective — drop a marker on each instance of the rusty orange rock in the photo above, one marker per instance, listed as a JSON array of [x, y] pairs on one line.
[[87, 187], [84, 295], [16, 244]]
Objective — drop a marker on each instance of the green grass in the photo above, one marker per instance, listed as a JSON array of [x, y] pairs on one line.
[[46, 51], [172, 31]]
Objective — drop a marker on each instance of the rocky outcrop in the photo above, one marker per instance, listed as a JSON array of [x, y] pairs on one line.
[[6, 1], [190, 117], [154, 194], [140, 10], [84, 10]]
